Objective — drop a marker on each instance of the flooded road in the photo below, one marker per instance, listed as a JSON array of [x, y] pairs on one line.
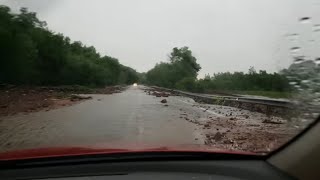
[[128, 117], [136, 118]]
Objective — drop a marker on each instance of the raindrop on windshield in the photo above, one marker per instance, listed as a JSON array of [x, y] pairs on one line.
[[290, 77], [297, 86], [298, 60], [316, 28], [305, 81], [293, 36], [305, 20], [295, 49], [292, 83]]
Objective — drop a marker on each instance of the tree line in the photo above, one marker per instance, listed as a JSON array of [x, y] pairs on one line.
[[182, 69], [32, 54]]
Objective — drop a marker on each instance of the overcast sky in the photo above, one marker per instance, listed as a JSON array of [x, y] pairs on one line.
[[224, 35]]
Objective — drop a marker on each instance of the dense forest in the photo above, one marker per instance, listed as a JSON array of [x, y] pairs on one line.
[[182, 69], [31, 54]]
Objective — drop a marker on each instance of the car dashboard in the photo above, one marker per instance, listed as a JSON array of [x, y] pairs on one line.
[[155, 170]]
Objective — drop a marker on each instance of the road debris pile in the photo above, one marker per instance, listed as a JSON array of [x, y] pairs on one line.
[[272, 122], [75, 97], [159, 92], [19, 99], [163, 101], [107, 90], [235, 126], [84, 90], [237, 129]]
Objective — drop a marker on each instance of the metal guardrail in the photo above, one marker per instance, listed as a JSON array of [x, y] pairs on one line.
[[269, 102], [269, 107], [282, 108]]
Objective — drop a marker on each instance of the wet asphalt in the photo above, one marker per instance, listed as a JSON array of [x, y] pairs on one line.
[[131, 118], [137, 120]]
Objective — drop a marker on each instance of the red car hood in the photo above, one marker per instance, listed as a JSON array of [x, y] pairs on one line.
[[76, 151]]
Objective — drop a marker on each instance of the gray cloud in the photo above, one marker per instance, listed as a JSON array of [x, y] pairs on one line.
[[225, 35], [39, 6]]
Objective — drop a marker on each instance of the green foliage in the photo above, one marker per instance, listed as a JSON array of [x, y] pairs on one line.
[[252, 81], [262, 83], [31, 54], [187, 84], [181, 69]]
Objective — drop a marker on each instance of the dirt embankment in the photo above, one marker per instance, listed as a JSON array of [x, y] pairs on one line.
[[242, 134], [21, 99]]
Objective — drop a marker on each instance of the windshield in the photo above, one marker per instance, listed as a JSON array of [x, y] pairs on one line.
[[215, 76]]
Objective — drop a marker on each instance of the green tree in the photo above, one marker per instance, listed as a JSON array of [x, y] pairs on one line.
[[32, 54], [182, 64]]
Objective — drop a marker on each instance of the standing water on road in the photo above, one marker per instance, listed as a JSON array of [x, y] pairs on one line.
[[137, 117]]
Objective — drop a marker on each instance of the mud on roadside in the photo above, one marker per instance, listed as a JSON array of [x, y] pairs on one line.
[[241, 130], [22, 99], [232, 128]]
